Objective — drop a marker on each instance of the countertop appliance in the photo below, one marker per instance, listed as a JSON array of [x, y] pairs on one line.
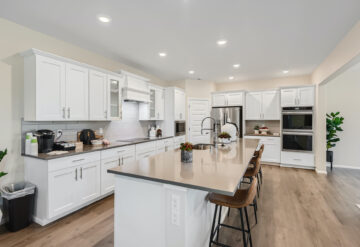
[[45, 140], [180, 128], [64, 146], [228, 115], [86, 136]]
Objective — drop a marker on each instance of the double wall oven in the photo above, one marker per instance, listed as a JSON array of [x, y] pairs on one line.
[[297, 129]]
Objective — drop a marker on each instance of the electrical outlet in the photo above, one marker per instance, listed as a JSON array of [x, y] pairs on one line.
[[175, 210]]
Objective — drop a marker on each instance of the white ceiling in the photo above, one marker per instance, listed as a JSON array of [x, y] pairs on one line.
[[264, 36]]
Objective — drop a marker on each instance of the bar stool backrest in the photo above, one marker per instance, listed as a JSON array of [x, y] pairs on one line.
[[251, 193]]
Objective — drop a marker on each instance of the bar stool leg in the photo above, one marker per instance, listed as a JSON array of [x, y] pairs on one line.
[[255, 209], [242, 227], [218, 231], [212, 227], [248, 225]]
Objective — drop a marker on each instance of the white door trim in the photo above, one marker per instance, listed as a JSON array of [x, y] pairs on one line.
[[189, 100]]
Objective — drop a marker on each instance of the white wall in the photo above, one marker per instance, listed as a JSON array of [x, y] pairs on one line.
[[343, 96], [15, 39]]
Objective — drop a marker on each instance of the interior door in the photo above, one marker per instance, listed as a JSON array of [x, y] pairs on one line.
[[271, 105], [288, 97], [77, 85], [306, 96], [97, 95], [50, 89], [198, 110], [253, 106], [62, 189], [89, 187]]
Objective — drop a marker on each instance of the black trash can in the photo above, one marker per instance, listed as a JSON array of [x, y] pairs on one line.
[[18, 203]]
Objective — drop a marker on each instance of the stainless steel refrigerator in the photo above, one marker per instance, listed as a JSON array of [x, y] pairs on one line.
[[231, 114]]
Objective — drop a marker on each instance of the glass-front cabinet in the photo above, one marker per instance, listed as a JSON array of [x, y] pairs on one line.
[[114, 100], [155, 109]]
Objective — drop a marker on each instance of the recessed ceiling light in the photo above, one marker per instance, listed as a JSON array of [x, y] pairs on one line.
[[222, 42], [191, 72], [285, 71], [231, 78], [236, 66], [162, 54], [104, 19]]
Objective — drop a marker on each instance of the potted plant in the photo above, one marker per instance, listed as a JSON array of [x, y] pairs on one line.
[[186, 152], [224, 137], [2, 155], [256, 129], [333, 125]]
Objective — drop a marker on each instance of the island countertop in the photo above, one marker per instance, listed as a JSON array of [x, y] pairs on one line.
[[217, 170]]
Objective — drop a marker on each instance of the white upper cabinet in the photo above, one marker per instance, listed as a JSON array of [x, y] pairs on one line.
[[179, 97], [292, 97], [115, 84], [77, 91], [154, 110], [271, 105], [253, 105], [44, 77], [98, 91], [228, 99], [263, 105], [219, 100]]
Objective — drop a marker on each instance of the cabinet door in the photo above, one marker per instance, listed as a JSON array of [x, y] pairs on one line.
[[253, 106], [128, 158], [271, 105], [62, 187], [219, 100], [107, 179], [179, 105], [50, 89], [151, 105], [89, 181], [77, 84], [97, 95], [115, 85], [160, 104], [235, 99], [306, 96], [288, 97]]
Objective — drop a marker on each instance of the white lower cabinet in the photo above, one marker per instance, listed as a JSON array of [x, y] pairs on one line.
[[169, 144], [272, 148], [178, 140], [89, 182], [160, 146], [298, 159], [145, 150], [112, 158]]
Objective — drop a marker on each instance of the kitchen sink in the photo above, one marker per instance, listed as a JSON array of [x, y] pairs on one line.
[[202, 146]]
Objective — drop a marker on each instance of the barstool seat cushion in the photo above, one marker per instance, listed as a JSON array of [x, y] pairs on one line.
[[250, 172]]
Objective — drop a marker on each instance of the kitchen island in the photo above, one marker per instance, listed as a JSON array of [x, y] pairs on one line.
[[161, 202]]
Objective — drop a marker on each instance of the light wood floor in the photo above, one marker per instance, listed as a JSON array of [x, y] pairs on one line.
[[296, 208]]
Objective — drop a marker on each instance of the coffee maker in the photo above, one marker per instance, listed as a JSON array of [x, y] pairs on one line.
[[45, 140]]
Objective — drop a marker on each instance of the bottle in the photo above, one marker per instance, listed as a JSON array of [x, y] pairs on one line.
[[34, 146], [152, 132], [28, 138]]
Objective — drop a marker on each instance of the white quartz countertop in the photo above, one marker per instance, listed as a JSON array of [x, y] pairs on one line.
[[217, 170]]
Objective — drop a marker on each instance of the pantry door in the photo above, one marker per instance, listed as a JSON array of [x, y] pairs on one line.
[[198, 110]]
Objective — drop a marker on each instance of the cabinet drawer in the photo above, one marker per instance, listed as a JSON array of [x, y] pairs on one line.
[[270, 140], [115, 152], [179, 139], [297, 159], [75, 160], [145, 147], [169, 142], [144, 154], [160, 144]]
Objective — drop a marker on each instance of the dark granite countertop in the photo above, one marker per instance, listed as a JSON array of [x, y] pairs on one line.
[[94, 148]]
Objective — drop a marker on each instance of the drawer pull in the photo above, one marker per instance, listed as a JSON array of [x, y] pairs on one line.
[[81, 172], [76, 178], [78, 160]]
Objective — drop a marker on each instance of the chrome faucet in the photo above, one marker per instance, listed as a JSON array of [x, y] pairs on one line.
[[213, 129]]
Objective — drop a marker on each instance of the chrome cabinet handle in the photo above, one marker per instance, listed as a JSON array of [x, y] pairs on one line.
[[68, 112], [76, 175], [78, 160], [122, 160], [63, 110], [119, 163], [81, 172]]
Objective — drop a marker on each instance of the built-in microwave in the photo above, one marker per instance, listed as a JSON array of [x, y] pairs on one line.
[[297, 119], [297, 141], [180, 128]]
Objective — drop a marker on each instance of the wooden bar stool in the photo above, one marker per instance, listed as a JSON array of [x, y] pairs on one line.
[[240, 200]]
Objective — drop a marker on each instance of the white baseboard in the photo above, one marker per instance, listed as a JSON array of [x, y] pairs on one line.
[[342, 166], [296, 166], [318, 171]]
